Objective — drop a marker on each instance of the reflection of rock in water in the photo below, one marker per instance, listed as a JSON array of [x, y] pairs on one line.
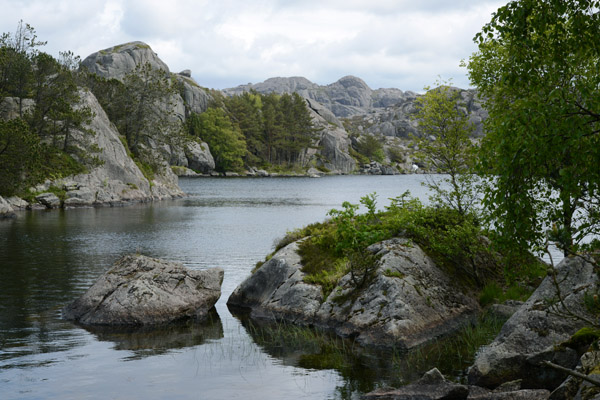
[[362, 368], [152, 340]]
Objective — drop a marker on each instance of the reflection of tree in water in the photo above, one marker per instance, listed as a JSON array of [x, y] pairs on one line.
[[362, 369], [365, 369], [146, 341]]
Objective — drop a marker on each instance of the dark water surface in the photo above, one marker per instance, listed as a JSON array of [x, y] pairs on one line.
[[48, 258]]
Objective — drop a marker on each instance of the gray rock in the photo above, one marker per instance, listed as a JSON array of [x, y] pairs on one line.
[[117, 61], [199, 157], [506, 309], [276, 291], [532, 333], [6, 210], [49, 200], [140, 290], [194, 97], [432, 386], [408, 303], [17, 203], [79, 197], [13, 107], [347, 97], [262, 173], [186, 72], [523, 394]]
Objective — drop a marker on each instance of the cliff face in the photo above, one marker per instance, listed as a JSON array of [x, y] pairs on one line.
[[347, 97], [118, 61]]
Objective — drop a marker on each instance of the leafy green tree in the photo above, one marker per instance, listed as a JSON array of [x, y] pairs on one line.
[[225, 140], [444, 145], [19, 154], [16, 68], [537, 67], [370, 147], [56, 95], [146, 101], [246, 111]]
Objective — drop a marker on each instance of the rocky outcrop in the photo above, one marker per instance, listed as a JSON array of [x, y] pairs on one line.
[[6, 210], [13, 107], [347, 97], [118, 61], [533, 333], [333, 145], [433, 386], [395, 120], [408, 302], [118, 179], [140, 290], [199, 158], [195, 98], [375, 168]]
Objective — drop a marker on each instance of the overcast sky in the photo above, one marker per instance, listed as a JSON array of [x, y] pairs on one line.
[[403, 44]]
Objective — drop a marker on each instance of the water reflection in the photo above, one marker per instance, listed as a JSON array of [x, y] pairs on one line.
[[145, 341], [363, 369]]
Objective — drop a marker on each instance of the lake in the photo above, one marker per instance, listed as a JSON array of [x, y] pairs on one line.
[[48, 258]]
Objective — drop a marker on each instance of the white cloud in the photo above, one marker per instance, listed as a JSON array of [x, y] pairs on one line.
[[388, 43]]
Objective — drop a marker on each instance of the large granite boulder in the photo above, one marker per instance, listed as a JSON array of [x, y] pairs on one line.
[[140, 290], [199, 158], [6, 209], [533, 333], [408, 302], [117, 61]]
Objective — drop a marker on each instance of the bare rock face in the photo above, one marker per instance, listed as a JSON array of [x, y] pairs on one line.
[[334, 143], [118, 179], [140, 290], [117, 61], [408, 303], [347, 97], [6, 209], [532, 334]]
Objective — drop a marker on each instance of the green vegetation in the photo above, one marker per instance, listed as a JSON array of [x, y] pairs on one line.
[[339, 246], [270, 131], [36, 144], [451, 151], [141, 108], [452, 355], [370, 147], [493, 293], [225, 140], [318, 349], [537, 68]]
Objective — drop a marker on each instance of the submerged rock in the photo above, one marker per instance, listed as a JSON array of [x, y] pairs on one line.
[[532, 334], [140, 290], [409, 301]]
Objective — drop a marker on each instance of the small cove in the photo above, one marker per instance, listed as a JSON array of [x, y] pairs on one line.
[[49, 258]]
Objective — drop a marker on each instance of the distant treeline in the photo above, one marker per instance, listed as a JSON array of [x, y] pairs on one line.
[[255, 129]]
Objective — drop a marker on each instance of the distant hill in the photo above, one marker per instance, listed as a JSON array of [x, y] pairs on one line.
[[347, 97]]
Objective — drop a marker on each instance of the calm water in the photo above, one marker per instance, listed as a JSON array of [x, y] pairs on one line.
[[49, 258]]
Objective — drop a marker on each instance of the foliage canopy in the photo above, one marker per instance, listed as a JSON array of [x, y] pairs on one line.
[[537, 68]]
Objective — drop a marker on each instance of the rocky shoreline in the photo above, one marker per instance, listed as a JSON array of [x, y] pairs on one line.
[[410, 302]]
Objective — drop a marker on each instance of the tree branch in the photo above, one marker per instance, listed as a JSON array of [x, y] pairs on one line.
[[572, 373]]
